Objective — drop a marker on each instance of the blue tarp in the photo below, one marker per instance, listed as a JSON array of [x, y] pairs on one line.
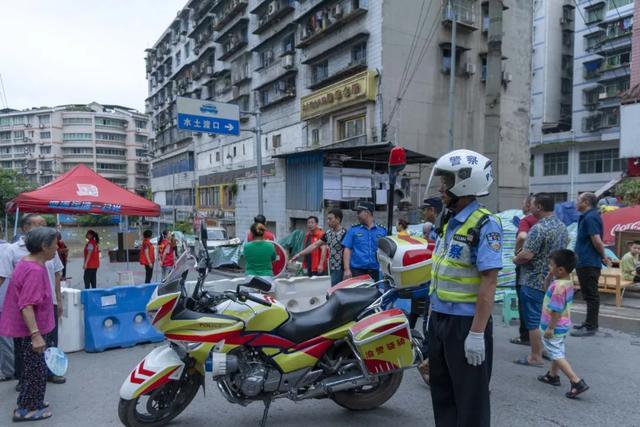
[[567, 212]]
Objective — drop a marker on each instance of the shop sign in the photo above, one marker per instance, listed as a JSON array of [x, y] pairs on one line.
[[353, 90]]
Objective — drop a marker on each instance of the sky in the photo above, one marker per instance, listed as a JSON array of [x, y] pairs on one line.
[[55, 52]]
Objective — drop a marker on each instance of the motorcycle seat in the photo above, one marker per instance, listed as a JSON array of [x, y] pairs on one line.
[[341, 307]]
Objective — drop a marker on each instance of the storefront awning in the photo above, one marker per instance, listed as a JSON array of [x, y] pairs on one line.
[[355, 150], [608, 186]]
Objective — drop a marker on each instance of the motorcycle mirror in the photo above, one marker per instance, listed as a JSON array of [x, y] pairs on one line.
[[259, 283]]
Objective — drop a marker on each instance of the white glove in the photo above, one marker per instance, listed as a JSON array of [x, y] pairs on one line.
[[474, 348]]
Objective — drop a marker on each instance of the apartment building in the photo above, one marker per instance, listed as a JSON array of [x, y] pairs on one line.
[[42, 143], [325, 76], [575, 133]]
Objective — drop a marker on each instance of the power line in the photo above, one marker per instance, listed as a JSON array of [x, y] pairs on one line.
[[414, 44], [423, 51]]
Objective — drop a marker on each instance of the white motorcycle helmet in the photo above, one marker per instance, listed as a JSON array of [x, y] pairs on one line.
[[470, 173]]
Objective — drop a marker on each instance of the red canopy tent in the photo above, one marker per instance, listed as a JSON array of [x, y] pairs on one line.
[[620, 220], [82, 191]]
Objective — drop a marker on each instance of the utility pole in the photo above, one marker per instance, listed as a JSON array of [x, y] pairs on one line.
[[259, 162], [258, 131], [453, 15], [492, 100]]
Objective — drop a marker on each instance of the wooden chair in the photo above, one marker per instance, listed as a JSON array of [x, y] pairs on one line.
[[611, 282]]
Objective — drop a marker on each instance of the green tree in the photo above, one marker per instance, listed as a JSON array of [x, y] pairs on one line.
[[12, 184], [629, 191]]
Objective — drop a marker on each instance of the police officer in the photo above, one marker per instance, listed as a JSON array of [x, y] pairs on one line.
[[361, 244], [466, 262], [431, 208]]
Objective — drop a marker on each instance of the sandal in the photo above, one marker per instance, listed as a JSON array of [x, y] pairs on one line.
[[525, 362], [579, 387], [423, 368], [519, 341], [23, 414], [550, 379]]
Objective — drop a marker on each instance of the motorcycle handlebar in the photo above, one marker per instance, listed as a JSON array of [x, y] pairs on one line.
[[250, 297]]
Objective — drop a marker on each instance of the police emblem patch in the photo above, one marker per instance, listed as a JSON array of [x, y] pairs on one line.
[[494, 241]]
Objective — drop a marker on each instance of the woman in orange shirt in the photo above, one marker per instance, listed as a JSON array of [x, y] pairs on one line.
[[91, 260], [147, 255]]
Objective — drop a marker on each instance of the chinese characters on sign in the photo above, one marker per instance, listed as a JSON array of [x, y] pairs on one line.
[[85, 206]]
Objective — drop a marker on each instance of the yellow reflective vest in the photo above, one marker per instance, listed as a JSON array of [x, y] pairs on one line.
[[454, 277]]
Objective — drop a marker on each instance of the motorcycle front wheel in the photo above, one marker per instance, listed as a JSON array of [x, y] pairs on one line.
[[371, 396], [161, 405]]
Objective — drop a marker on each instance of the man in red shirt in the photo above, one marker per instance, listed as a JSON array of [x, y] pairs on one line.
[[316, 261], [523, 230], [260, 219]]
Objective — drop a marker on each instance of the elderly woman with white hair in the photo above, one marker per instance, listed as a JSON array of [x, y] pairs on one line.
[[27, 315]]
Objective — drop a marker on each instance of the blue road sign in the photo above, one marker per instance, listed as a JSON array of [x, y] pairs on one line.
[[206, 116]]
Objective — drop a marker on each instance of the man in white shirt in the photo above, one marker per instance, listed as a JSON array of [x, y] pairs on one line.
[[6, 343], [10, 257]]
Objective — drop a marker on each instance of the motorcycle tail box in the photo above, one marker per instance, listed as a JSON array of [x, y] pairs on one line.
[[406, 259], [383, 341]]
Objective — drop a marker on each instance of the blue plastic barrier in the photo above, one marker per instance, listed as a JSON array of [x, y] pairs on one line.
[[116, 317]]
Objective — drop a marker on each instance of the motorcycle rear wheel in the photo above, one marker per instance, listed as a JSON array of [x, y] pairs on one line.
[[369, 397], [162, 404]]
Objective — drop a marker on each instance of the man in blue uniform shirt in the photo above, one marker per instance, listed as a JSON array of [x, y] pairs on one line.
[[431, 208], [361, 244], [466, 261]]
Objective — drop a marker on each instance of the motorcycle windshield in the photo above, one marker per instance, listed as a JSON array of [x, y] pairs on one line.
[[172, 282]]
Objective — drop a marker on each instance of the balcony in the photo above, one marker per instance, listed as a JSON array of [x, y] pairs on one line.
[[331, 18], [233, 40], [225, 11], [463, 12], [281, 67], [240, 73], [201, 10], [353, 67], [271, 12], [277, 92]]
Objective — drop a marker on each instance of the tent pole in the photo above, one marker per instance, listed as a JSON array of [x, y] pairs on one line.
[[126, 231], [158, 240], [15, 224]]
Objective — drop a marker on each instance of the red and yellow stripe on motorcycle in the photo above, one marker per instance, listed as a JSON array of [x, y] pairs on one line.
[[383, 341]]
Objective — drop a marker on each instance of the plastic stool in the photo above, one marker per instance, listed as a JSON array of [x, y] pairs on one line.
[[510, 306]]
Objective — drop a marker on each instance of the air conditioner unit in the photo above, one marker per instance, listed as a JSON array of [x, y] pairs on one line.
[[41, 156], [506, 77], [469, 68], [209, 70], [337, 11], [41, 125], [235, 91], [602, 95], [125, 124], [271, 9], [139, 129], [28, 125], [288, 61]]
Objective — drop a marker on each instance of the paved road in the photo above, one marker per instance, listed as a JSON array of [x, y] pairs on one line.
[[609, 363]]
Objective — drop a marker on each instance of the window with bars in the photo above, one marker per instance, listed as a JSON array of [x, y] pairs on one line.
[[556, 163], [594, 14], [613, 4], [600, 161], [558, 197]]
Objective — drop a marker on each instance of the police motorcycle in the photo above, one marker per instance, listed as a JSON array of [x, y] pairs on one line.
[[350, 349]]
